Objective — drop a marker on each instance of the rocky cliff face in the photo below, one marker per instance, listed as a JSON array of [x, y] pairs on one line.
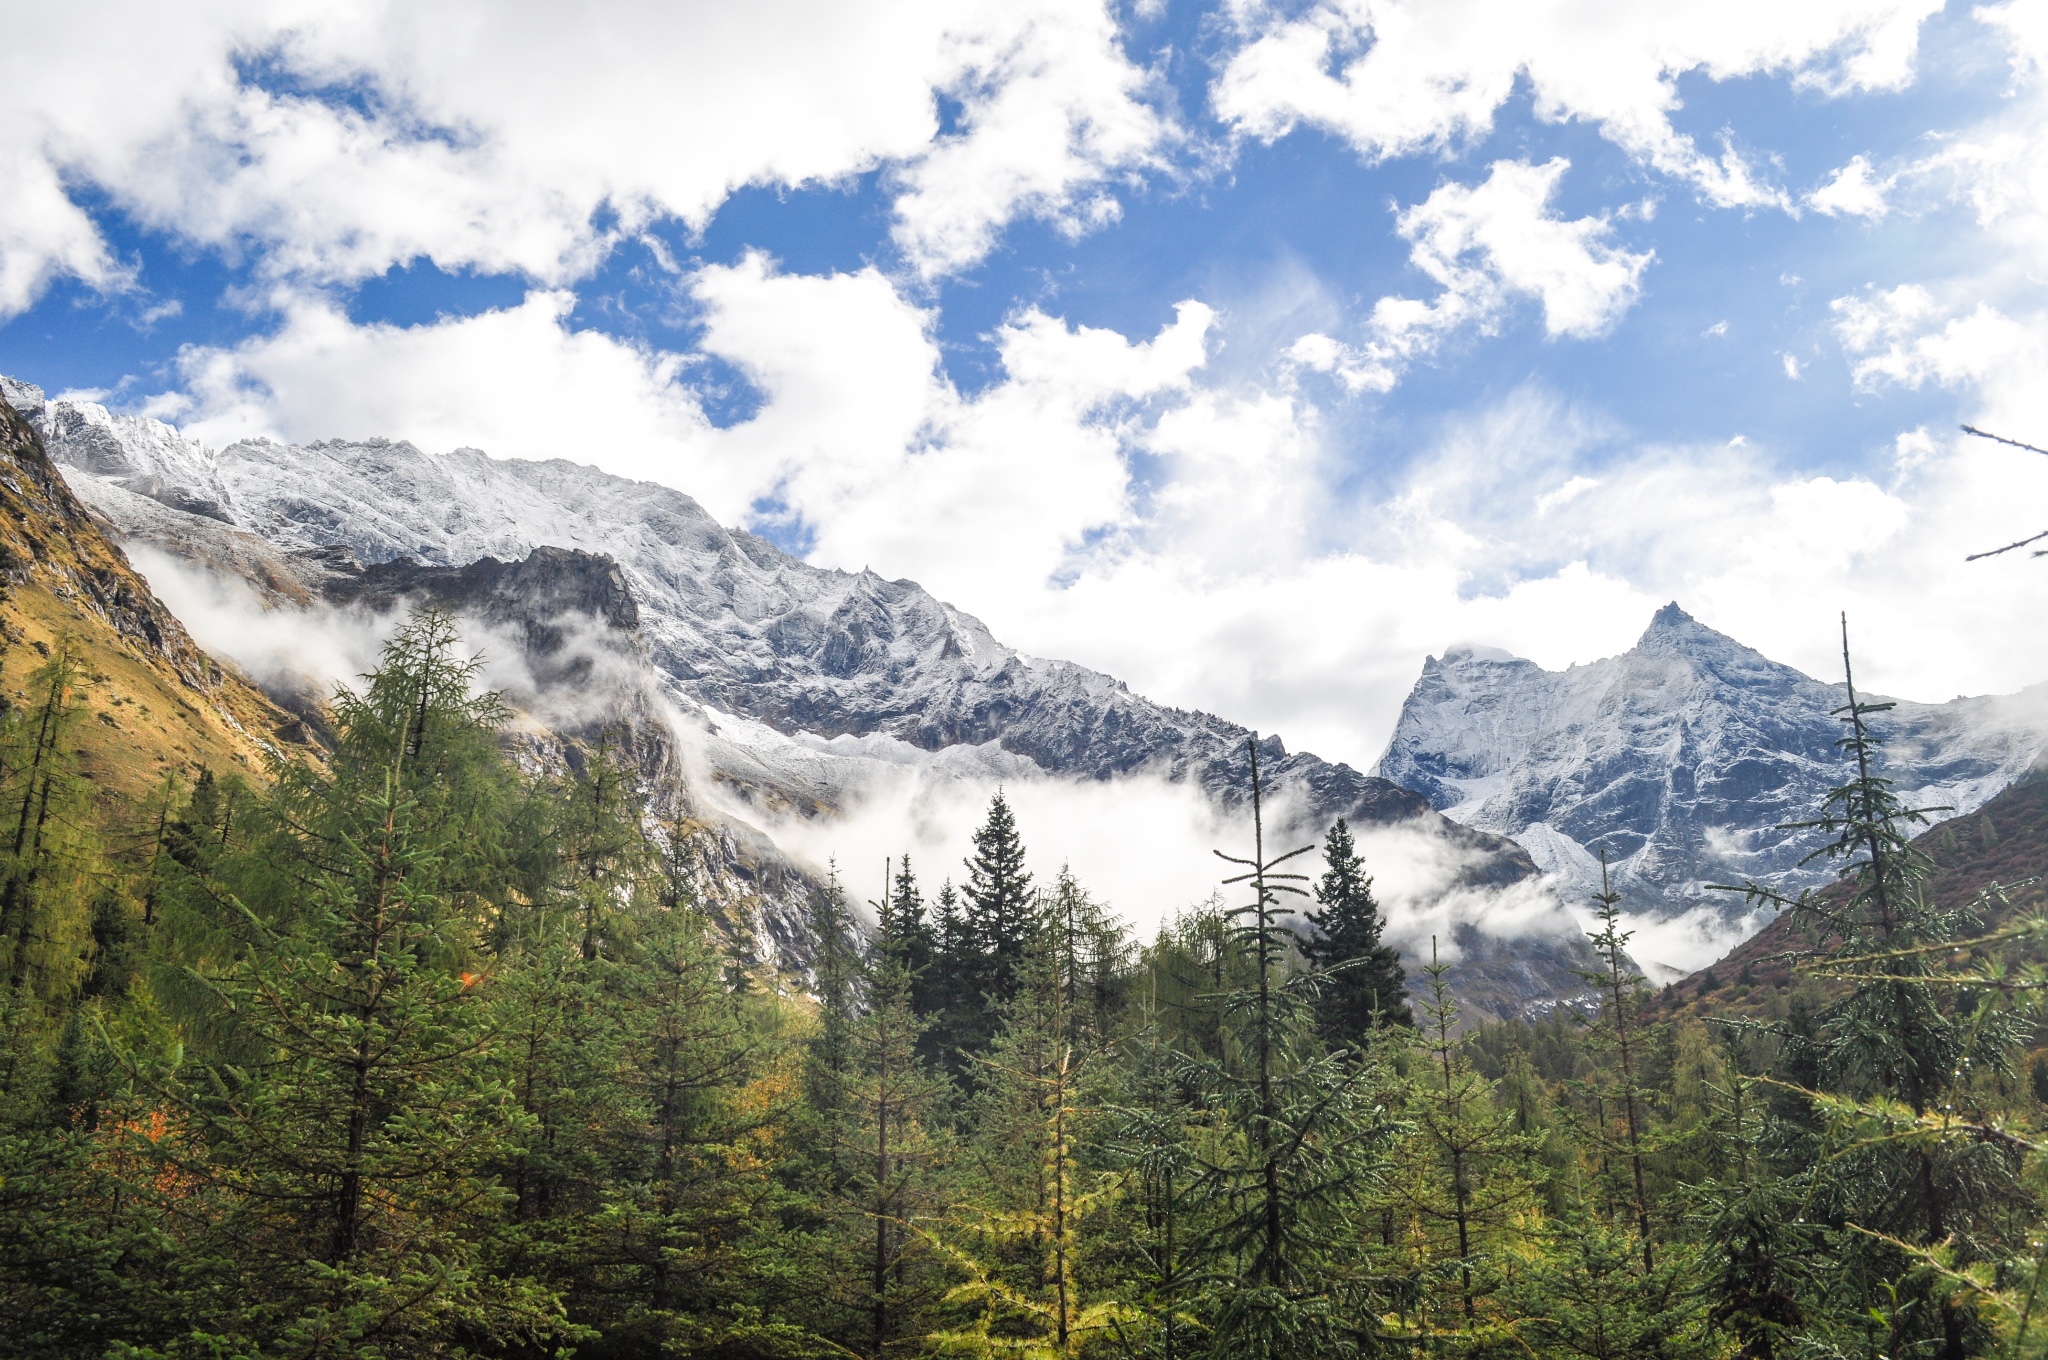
[[1680, 759], [800, 679]]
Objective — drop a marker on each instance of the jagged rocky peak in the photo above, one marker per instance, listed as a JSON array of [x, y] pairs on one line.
[[1680, 758], [544, 585], [807, 680]]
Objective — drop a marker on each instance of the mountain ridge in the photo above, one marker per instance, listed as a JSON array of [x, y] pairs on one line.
[[1683, 759], [756, 646]]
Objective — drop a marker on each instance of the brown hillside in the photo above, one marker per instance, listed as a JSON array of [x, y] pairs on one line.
[[2004, 842], [158, 703]]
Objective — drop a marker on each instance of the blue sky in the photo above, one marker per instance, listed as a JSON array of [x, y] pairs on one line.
[[1091, 317]]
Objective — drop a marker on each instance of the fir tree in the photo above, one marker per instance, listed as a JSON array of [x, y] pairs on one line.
[[981, 950], [1090, 958], [1901, 1184], [998, 893], [909, 929], [1364, 987], [1301, 1142], [664, 1265], [348, 1114]]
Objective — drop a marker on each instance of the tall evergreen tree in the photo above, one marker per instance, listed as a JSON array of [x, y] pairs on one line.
[[1021, 1248], [1461, 1178], [51, 864], [997, 911], [998, 894], [1619, 1032], [347, 1116], [909, 929], [1898, 1033], [1364, 986], [1305, 1143]]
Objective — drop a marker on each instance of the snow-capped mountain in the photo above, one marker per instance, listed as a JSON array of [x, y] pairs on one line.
[[805, 688], [1680, 758]]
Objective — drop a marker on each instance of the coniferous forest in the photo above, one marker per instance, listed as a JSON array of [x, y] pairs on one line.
[[427, 1050]]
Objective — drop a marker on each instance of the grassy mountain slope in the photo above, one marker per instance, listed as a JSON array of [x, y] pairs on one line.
[[158, 703], [2005, 842]]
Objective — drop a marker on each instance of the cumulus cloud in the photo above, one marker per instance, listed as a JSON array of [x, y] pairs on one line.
[[1852, 191], [1904, 335], [1486, 246], [335, 141], [1113, 500], [1395, 77], [1052, 113]]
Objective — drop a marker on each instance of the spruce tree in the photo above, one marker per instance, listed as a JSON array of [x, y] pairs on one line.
[[889, 1137], [997, 910], [675, 1257], [1302, 1143], [946, 994], [1364, 985], [909, 929], [1091, 952], [1906, 1173], [345, 1112]]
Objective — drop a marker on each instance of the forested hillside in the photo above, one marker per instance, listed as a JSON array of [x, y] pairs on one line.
[[417, 1052]]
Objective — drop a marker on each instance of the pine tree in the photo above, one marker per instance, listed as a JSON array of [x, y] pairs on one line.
[[1301, 1143], [1364, 985]]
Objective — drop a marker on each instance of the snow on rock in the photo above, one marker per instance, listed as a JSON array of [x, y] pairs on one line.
[[796, 687], [1681, 759]]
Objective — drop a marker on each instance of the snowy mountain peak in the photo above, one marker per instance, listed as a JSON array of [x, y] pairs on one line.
[[1668, 619], [1680, 758], [1467, 653]]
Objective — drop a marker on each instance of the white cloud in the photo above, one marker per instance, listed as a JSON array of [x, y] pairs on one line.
[[1118, 503], [1852, 191], [1904, 336], [515, 138], [1486, 246], [517, 381], [1052, 113], [43, 235], [1395, 77]]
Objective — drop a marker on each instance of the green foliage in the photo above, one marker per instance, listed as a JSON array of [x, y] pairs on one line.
[[432, 1051], [1364, 987], [1297, 1139]]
